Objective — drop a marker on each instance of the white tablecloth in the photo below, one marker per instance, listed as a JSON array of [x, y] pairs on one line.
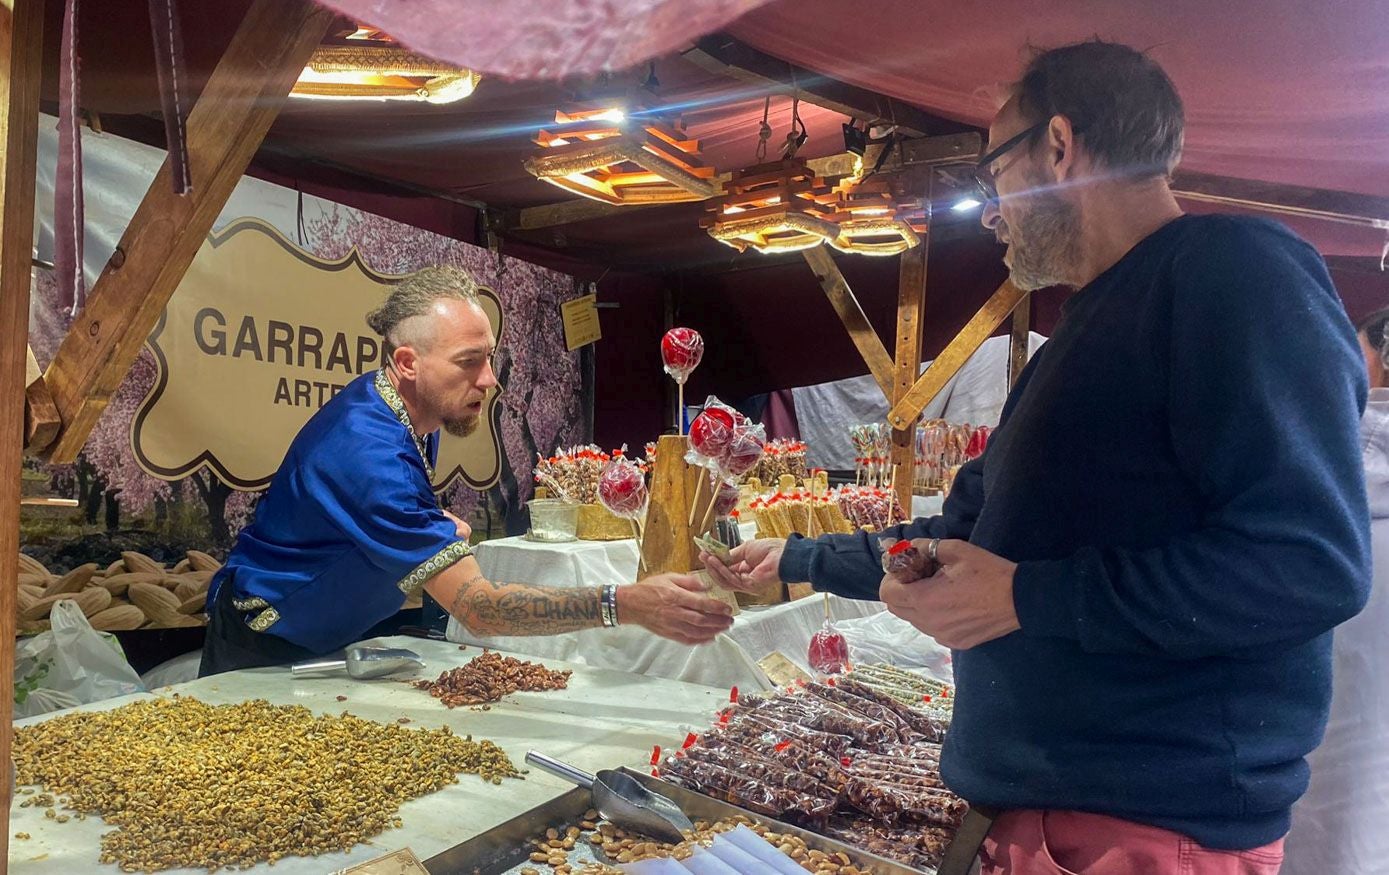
[[730, 660]]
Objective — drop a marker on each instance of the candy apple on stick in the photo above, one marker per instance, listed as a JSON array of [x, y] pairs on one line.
[[682, 349]]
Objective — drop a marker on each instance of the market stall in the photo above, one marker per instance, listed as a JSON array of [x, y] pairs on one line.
[[670, 239]]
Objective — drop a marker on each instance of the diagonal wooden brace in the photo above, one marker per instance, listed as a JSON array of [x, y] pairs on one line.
[[225, 128], [956, 353]]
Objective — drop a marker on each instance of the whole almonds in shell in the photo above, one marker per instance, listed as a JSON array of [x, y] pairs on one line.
[[140, 562], [30, 565], [74, 581]]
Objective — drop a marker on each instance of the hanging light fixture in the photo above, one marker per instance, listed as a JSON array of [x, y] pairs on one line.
[[368, 65], [620, 152], [770, 208], [774, 206], [872, 220]]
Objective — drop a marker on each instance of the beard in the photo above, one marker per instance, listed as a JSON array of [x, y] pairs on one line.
[[462, 427], [1045, 240]]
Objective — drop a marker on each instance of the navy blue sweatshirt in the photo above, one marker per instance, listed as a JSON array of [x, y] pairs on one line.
[[1177, 475]]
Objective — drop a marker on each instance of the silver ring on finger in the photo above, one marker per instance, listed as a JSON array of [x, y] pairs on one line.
[[931, 549]]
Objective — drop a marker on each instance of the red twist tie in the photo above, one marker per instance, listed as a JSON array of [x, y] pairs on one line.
[[655, 754], [689, 741], [733, 695], [781, 746], [845, 762], [925, 698]]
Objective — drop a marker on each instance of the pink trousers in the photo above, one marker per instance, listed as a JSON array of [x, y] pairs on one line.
[[1033, 842]]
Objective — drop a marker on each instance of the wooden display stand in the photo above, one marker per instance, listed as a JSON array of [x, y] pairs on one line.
[[667, 542]]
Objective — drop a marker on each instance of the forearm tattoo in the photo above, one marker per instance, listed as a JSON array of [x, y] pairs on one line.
[[488, 608]]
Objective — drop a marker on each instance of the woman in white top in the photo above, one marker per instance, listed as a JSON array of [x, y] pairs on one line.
[[1341, 825]]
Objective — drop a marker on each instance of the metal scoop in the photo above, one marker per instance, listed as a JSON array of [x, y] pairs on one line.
[[622, 800], [361, 663]]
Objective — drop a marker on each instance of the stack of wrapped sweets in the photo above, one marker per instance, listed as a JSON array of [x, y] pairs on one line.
[[869, 507], [781, 457], [840, 757], [805, 510], [572, 473]]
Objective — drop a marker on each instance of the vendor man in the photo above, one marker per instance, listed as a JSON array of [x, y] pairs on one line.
[[1140, 575], [350, 526]]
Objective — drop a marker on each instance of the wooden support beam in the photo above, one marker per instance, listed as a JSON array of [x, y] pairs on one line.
[[225, 128], [956, 353], [21, 53], [1018, 340], [870, 346], [1292, 200], [41, 421], [722, 54], [911, 302]]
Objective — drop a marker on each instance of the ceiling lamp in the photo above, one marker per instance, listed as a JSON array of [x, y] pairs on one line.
[[379, 70], [620, 154], [872, 220], [773, 207]]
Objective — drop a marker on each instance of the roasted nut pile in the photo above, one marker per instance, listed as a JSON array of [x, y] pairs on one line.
[[488, 677], [552, 851], [193, 784]]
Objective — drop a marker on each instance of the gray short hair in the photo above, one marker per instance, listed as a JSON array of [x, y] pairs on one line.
[[1116, 97], [414, 296]]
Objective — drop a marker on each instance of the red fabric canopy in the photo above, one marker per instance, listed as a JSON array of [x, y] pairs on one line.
[[1275, 90], [521, 39]]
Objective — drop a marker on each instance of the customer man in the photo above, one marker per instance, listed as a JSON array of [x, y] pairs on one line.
[[350, 527], [1140, 575]]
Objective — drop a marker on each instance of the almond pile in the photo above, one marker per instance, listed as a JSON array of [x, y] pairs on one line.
[[134, 592]]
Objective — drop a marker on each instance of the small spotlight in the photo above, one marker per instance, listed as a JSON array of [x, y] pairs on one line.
[[964, 205]]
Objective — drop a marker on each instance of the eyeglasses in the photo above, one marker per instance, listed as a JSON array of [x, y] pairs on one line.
[[983, 175]]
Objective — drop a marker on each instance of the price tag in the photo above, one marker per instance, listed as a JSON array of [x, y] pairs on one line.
[[580, 322], [780, 670]]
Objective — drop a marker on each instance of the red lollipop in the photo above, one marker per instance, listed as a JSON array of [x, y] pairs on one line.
[[727, 498], [622, 489], [681, 350], [711, 433], [745, 449], [829, 652]]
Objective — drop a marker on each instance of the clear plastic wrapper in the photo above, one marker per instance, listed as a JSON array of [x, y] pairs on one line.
[[682, 349], [726, 500], [745, 448], [758, 847], [828, 652], [826, 717], [864, 708], [734, 788], [622, 488], [792, 753], [756, 768], [918, 721], [901, 555], [920, 847], [890, 802], [711, 434], [833, 745]]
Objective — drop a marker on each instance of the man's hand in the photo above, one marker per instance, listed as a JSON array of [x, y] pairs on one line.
[[465, 531], [673, 606], [968, 602], [751, 567]]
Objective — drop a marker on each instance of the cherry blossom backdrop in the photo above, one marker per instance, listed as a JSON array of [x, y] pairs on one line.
[[543, 397]]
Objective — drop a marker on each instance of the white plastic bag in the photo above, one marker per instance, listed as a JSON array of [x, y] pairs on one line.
[[887, 638], [71, 664]]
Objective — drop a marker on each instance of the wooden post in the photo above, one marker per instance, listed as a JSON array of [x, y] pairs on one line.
[[955, 354], [21, 51], [1017, 343], [870, 346], [911, 301], [225, 128], [667, 543]]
